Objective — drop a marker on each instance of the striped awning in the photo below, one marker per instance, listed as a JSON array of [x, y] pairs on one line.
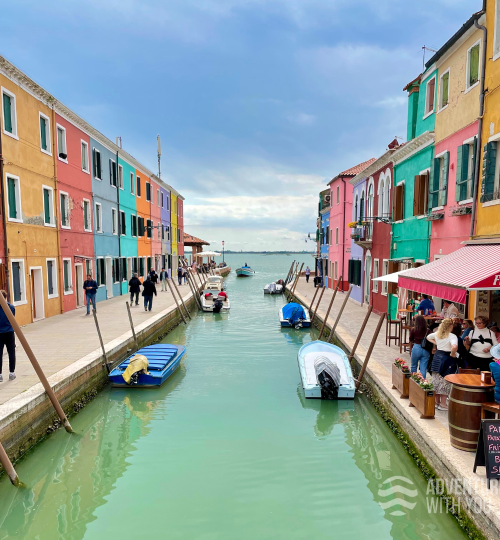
[[473, 267]]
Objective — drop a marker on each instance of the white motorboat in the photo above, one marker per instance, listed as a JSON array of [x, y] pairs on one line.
[[214, 301], [293, 314], [325, 371], [273, 288], [215, 283]]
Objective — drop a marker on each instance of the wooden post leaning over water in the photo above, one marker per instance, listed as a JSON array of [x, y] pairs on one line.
[[182, 299], [297, 280], [370, 349], [94, 313], [329, 307], [312, 303], [361, 330], [289, 272], [176, 303], [317, 305], [9, 468], [330, 337], [132, 325], [193, 289]]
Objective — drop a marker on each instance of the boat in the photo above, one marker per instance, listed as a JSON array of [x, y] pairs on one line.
[[273, 288], [215, 283], [153, 366], [295, 315], [214, 301], [244, 271], [325, 371]]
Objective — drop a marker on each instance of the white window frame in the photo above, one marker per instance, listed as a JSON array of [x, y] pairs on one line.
[[110, 175], [66, 293], [120, 222], [18, 197], [58, 126], [55, 294], [138, 236], [132, 183], [385, 270], [426, 112], [158, 197], [97, 259], [120, 176], [496, 33], [90, 214], [376, 265], [159, 230], [136, 226], [150, 200], [14, 135], [336, 236], [99, 152], [98, 224], [381, 193], [162, 198], [114, 221], [440, 89], [338, 194], [467, 71], [51, 208], [22, 275], [47, 133], [137, 178], [61, 193], [86, 144]]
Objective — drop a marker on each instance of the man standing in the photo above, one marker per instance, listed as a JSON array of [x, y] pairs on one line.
[[179, 275], [7, 338], [449, 310], [149, 289], [134, 288], [163, 279], [308, 273], [90, 288]]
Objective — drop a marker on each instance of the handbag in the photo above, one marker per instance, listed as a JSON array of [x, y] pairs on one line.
[[426, 344]]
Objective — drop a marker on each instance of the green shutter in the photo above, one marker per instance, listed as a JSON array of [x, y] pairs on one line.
[[434, 184], [445, 89], [66, 276], [63, 211], [50, 265], [46, 205], [462, 172], [471, 182], [443, 193], [11, 186], [43, 133], [16, 281], [474, 65], [86, 215], [489, 164], [7, 113]]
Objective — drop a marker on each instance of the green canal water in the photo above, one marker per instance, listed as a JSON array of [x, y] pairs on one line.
[[228, 449]]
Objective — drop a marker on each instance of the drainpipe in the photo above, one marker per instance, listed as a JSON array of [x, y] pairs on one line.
[[4, 220], [480, 124]]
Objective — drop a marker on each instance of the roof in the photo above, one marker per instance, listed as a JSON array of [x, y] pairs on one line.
[[190, 240], [353, 171], [453, 275], [379, 163], [416, 80]]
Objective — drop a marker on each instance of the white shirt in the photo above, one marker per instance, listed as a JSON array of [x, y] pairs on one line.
[[450, 311], [477, 347], [444, 344]]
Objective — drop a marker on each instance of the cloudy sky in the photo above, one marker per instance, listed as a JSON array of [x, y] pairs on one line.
[[258, 102]]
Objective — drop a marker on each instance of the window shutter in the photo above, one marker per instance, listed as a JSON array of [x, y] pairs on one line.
[[111, 173], [99, 167], [489, 164], [416, 195], [50, 265], [7, 113], [46, 205], [43, 133], [470, 183], [357, 273], [16, 280], [11, 185], [94, 163], [63, 210], [434, 184], [349, 271], [443, 194], [461, 165], [474, 65]]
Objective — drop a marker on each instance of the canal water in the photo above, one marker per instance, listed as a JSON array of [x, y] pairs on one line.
[[228, 449]]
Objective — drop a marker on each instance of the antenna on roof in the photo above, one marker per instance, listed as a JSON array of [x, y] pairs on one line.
[[424, 48], [159, 156], [119, 142]]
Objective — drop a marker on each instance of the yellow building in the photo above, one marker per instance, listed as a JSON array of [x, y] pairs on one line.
[[29, 186], [174, 227]]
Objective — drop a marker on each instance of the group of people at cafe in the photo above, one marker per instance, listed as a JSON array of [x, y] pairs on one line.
[[441, 344]]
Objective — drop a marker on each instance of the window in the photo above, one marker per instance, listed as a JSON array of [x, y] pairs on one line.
[[123, 269], [141, 266], [140, 226], [162, 199], [466, 165], [354, 272], [120, 176], [101, 272], [444, 89], [135, 267], [381, 193], [438, 181], [430, 92], [132, 183], [149, 227], [149, 265], [62, 152], [87, 222], [138, 186], [88, 268], [399, 202], [148, 191], [45, 134], [85, 156], [116, 270], [14, 199], [387, 198], [168, 204], [375, 275], [362, 206], [162, 231], [65, 224], [98, 218], [52, 278], [490, 186], [472, 66], [68, 282], [356, 204], [96, 158], [9, 113], [385, 271], [337, 236], [112, 172], [48, 206], [159, 230], [338, 194], [168, 233], [18, 281], [133, 225], [114, 221], [420, 194], [369, 208], [158, 197], [122, 224]]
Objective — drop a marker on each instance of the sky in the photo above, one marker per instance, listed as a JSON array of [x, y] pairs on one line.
[[259, 103]]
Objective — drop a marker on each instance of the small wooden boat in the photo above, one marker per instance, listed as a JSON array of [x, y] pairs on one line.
[[244, 271], [325, 371], [162, 361], [295, 315], [273, 288], [214, 301]]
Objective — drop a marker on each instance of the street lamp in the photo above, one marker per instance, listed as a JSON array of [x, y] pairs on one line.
[[222, 250]]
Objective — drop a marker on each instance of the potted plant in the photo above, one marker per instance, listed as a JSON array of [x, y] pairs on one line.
[[352, 224], [401, 377], [422, 395]]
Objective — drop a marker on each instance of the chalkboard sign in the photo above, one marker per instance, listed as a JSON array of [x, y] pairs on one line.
[[488, 449]]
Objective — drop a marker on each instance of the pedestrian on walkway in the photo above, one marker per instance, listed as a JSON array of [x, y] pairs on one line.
[[419, 355], [184, 275], [134, 288], [163, 279], [179, 275], [154, 275], [149, 288], [7, 338], [308, 273], [90, 288]]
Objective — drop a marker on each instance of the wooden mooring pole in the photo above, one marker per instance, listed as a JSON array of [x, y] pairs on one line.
[[35, 364], [9, 468], [370, 350], [289, 272], [176, 303], [106, 365], [360, 333], [329, 308], [182, 299], [297, 280], [132, 325], [332, 332], [317, 305], [193, 289], [312, 303]]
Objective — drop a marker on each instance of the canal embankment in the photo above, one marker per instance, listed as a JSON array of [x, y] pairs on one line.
[[427, 440]]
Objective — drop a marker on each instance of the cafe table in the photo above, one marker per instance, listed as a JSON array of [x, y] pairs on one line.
[[464, 408]]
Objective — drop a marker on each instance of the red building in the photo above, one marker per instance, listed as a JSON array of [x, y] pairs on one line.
[[74, 200], [180, 223]]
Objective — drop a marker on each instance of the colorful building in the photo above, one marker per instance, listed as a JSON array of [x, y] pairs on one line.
[[166, 246], [180, 224], [173, 230], [356, 264], [156, 250], [323, 236]]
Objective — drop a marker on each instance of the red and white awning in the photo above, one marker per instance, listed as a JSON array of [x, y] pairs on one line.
[[473, 267]]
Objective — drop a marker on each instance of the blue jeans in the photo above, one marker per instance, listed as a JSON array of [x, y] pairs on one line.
[[148, 302], [90, 298], [419, 354]]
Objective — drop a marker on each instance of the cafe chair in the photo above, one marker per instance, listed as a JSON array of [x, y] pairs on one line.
[[392, 331], [469, 371], [489, 408], [404, 337]]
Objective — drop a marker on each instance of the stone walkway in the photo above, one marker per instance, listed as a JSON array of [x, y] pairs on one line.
[[61, 340]]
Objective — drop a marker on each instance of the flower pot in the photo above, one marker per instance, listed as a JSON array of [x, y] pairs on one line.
[[423, 400], [401, 381]]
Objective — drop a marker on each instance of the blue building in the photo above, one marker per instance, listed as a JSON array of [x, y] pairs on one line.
[[324, 236]]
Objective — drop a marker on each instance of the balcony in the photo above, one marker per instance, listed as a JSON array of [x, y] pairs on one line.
[[362, 236]]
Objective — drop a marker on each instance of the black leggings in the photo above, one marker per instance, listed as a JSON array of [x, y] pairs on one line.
[[478, 362], [8, 339]]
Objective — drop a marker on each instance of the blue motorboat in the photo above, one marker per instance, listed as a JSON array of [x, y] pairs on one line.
[[162, 361], [244, 271], [295, 315]]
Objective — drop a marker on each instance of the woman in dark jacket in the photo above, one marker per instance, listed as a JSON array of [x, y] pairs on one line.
[[134, 288], [418, 354], [149, 288]]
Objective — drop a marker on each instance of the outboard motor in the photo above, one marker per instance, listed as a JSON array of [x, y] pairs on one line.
[[218, 305], [328, 375]]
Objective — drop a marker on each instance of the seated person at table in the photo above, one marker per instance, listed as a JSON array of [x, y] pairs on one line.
[[495, 370], [426, 306], [467, 327], [496, 331], [449, 310], [480, 342]]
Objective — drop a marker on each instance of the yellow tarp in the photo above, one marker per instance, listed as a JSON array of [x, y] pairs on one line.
[[137, 363]]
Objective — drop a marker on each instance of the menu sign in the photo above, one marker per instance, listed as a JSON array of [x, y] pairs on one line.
[[488, 449]]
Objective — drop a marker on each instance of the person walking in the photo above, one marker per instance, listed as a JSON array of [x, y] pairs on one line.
[[419, 355], [134, 288], [90, 288], [179, 275], [308, 273], [479, 342], [184, 275], [163, 279], [154, 276], [7, 338], [149, 288]]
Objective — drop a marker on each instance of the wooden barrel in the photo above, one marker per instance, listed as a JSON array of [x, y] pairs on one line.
[[464, 413]]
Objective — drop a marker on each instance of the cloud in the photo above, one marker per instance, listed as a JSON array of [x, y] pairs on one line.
[[302, 119], [392, 102]]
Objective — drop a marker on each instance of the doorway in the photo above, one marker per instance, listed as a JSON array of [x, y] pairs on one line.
[[79, 285], [109, 277], [37, 302]]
